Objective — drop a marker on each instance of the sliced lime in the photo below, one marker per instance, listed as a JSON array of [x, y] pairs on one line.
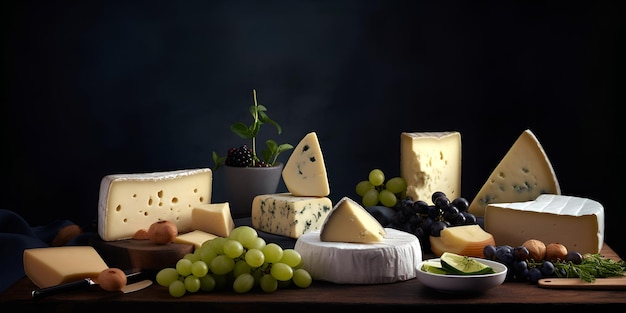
[[463, 265]]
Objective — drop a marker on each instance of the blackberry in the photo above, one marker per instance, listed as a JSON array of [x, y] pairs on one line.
[[239, 157]]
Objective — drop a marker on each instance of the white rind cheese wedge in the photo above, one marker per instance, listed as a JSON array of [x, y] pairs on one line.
[[523, 174], [305, 171], [287, 215], [129, 202], [52, 266], [577, 223], [429, 162], [213, 218], [393, 259], [348, 221]]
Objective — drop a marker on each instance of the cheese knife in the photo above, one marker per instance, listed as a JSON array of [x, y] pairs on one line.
[[134, 277]]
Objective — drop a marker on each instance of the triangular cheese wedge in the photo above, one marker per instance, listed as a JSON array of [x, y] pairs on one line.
[[522, 175], [348, 221], [305, 172]]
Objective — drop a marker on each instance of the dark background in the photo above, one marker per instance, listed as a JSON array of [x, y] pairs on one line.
[[93, 88]]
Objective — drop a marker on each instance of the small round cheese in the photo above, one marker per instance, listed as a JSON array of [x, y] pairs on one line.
[[394, 259]]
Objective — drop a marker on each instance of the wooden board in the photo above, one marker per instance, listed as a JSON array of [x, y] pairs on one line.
[[611, 283], [141, 254]]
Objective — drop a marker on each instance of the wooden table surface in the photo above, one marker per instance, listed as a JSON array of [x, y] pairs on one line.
[[407, 295]]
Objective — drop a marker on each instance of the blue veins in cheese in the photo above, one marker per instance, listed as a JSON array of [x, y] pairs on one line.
[[287, 215], [576, 222], [523, 174], [129, 202], [305, 171]]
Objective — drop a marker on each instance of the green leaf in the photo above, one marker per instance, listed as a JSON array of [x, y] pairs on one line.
[[241, 130]]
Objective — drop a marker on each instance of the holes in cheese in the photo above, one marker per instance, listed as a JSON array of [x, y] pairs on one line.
[[129, 202], [467, 240]]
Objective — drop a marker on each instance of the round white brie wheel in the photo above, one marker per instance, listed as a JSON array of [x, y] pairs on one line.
[[394, 259]]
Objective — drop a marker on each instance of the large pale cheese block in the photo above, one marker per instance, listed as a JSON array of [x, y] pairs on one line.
[[287, 215], [393, 259], [576, 222], [523, 174], [213, 218], [430, 162], [305, 171], [195, 238], [348, 221], [129, 202], [52, 266]]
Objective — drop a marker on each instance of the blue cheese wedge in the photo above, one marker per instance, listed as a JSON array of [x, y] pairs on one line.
[[287, 215], [130, 202], [523, 174], [350, 222], [576, 222], [305, 171]]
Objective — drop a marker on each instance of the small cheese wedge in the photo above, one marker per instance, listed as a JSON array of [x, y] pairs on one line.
[[576, 222], [52, 266], [195, 238], [430, 162], [130, 202], [523, 174], [348, 221], [287, 215], [305, 171], [213, 218], [467, 240]]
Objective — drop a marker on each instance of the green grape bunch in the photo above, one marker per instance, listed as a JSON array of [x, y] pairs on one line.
[[242, 261], [376, 191]]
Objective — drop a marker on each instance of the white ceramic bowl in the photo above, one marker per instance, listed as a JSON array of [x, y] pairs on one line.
[[463, 283]]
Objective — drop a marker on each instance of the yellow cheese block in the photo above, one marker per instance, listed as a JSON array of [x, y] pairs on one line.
[[468, 240], [430, 162], [213, 218], [195, 238], [58, 265]]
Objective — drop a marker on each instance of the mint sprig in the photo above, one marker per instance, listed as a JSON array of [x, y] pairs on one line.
[[260, 117]]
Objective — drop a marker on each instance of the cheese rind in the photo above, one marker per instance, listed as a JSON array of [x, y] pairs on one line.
[[129, 202], [577, 223], [430, 162], [348, 221], [213, 218], [287, 215], [523, 174], [393, 259], [52, 266], [468, 240], [305, 171]]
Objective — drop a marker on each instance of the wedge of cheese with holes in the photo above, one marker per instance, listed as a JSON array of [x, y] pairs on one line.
[[287, 215], [429, 162], [305, 171], [52, 266], [523, 174], [576, 222], [129, 202], [468, 240], [392, 259], [195, 238], [348, 221], [213, 218]]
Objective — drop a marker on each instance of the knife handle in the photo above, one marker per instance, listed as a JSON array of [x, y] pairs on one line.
[[40, 293]]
